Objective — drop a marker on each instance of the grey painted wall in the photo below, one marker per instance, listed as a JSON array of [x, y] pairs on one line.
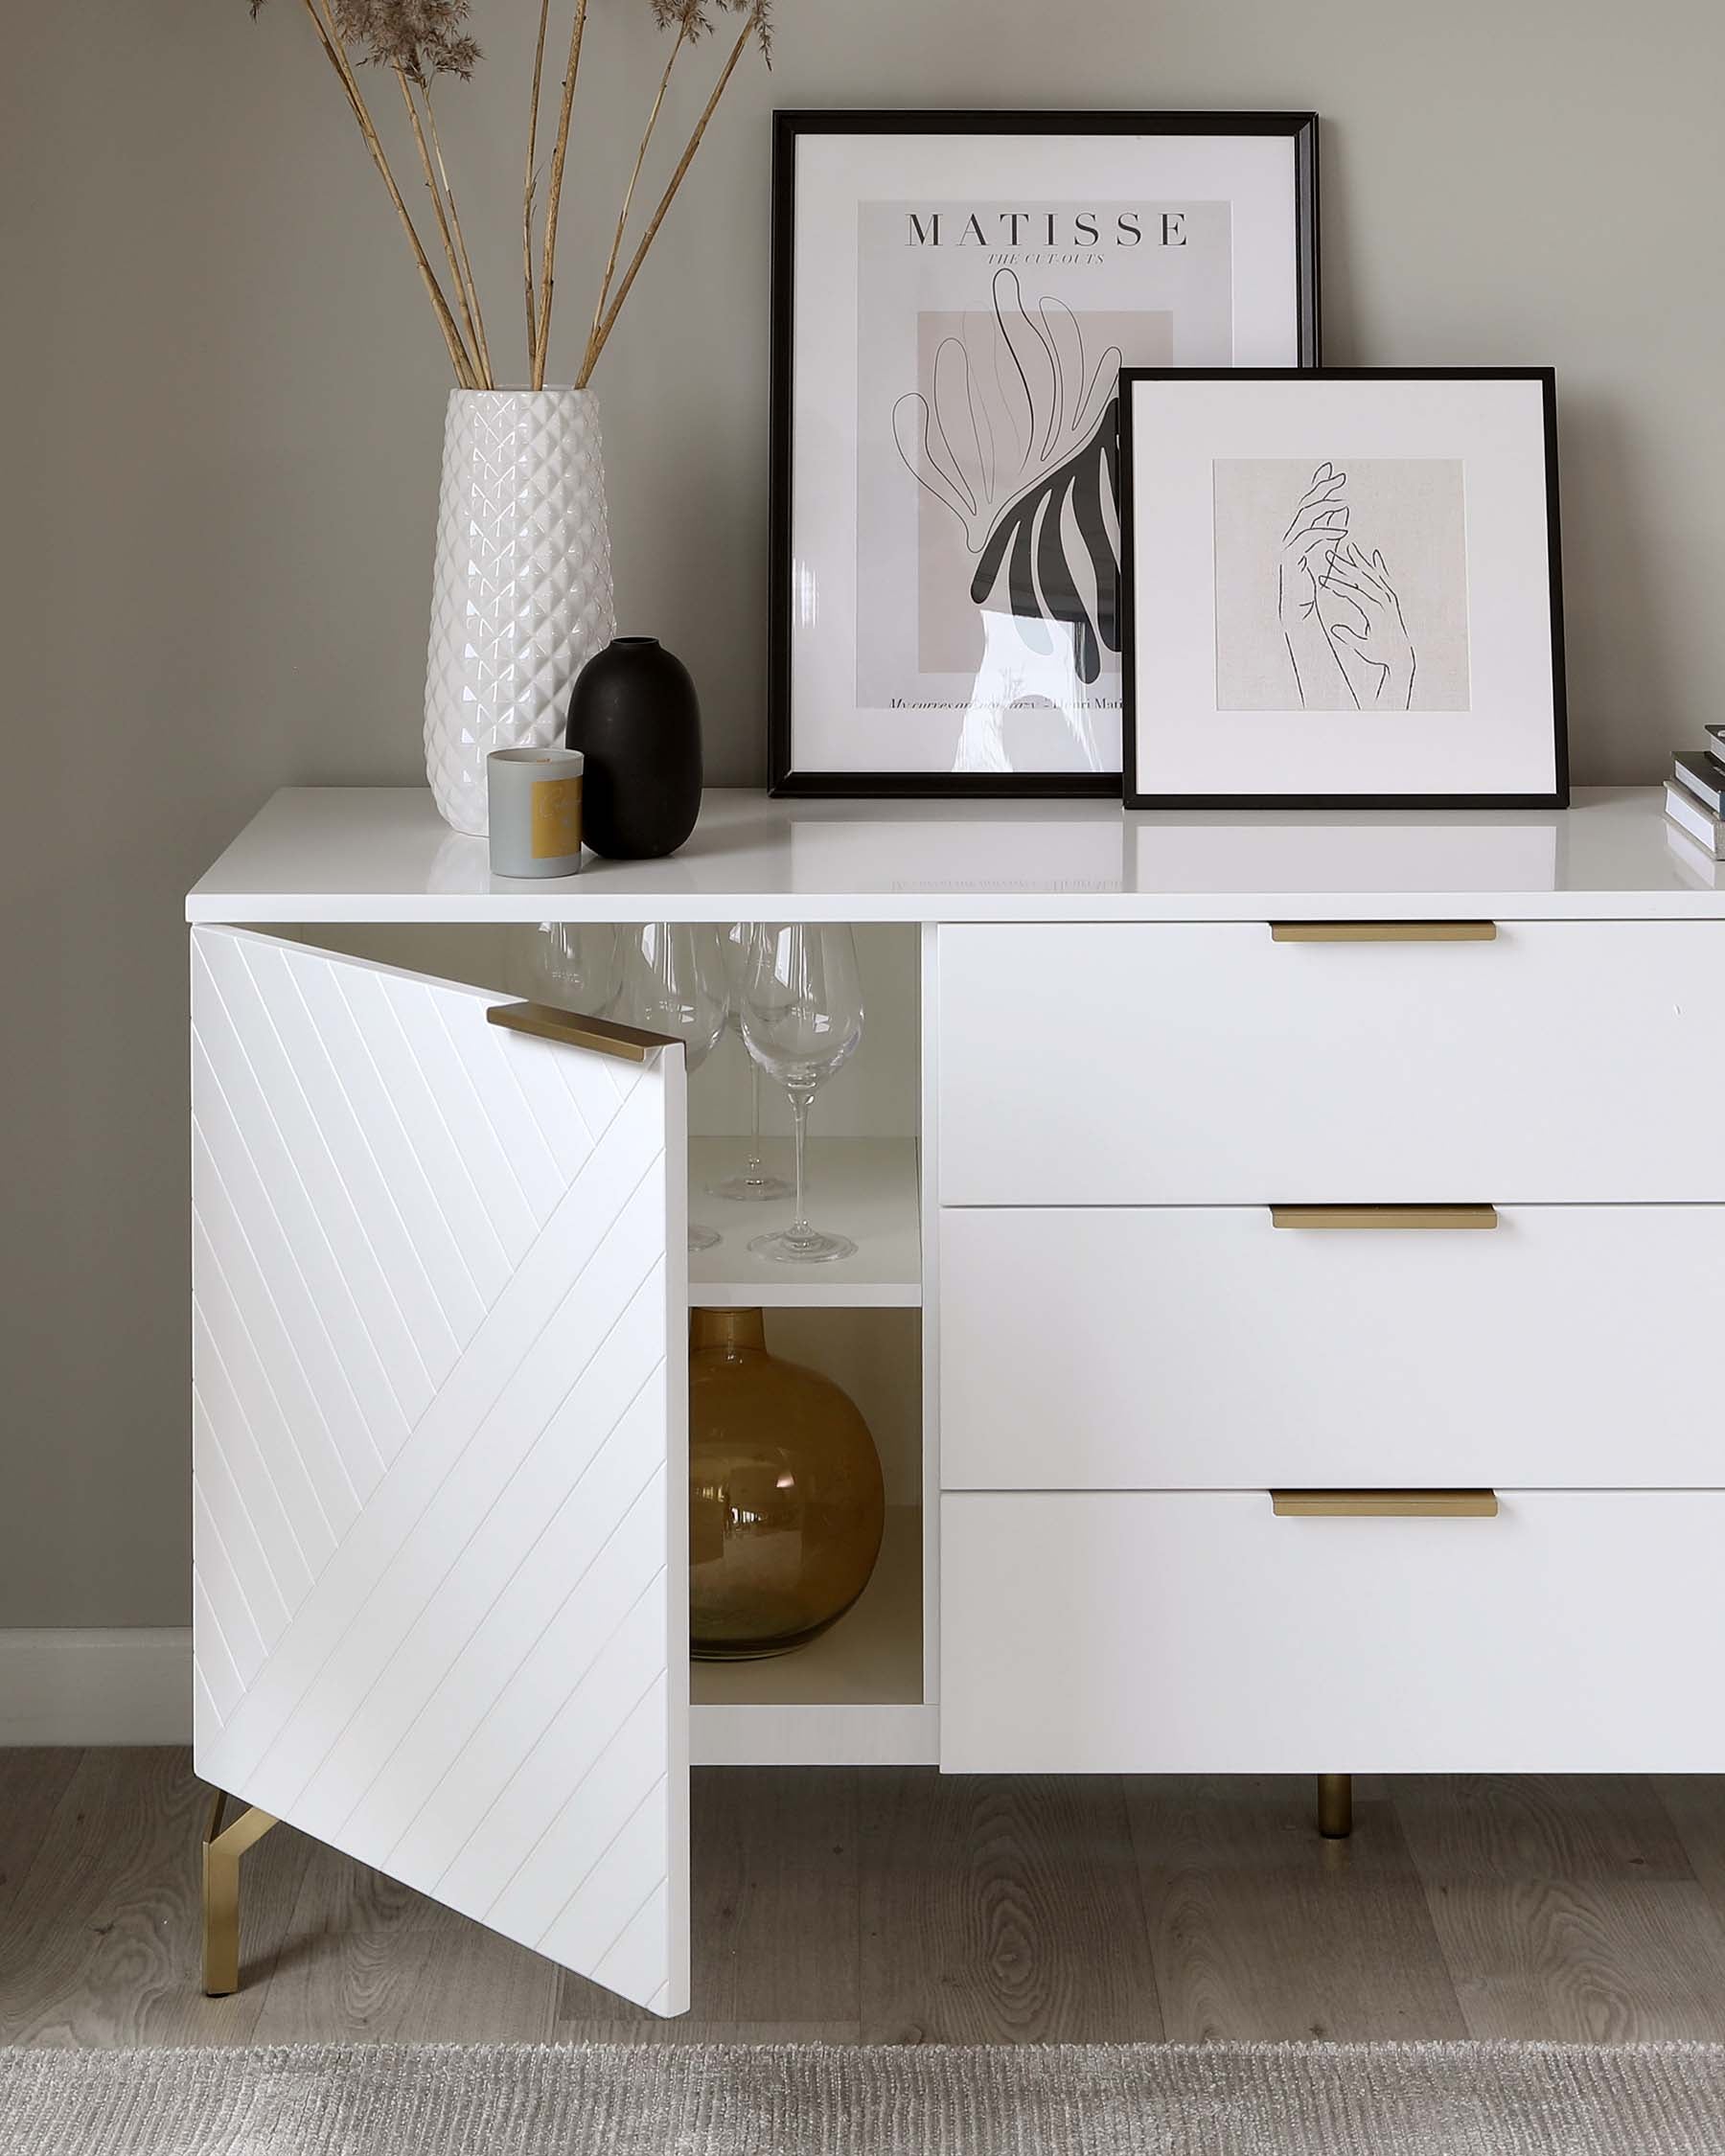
[[221, 414]]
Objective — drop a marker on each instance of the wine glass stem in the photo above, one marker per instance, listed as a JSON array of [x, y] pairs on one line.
[[799, 1111], [754, 1121]]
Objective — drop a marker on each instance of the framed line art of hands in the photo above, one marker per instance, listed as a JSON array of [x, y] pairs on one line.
[[955, 294], [1342, 588]]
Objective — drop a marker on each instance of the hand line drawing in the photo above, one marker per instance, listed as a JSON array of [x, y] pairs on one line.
[[1308, 547], [1340, 612], [1369, 631]]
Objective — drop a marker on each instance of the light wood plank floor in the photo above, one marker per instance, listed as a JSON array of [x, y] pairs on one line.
[[898, 1907]]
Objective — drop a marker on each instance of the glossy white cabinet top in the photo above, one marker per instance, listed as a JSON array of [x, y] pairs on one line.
[[382, 854]]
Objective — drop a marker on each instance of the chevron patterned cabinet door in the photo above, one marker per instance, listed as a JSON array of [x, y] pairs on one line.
[[440, 1442]]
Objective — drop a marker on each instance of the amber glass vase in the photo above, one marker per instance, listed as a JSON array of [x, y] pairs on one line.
[[786, 1501]]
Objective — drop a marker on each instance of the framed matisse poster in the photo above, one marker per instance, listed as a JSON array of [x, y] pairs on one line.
[[955, 294], [1342, 588]]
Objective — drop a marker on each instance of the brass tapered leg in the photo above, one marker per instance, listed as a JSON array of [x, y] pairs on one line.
[[1335, 1806], [222, 1848]]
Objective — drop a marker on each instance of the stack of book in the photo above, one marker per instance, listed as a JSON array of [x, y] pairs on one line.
[[1695, 793]]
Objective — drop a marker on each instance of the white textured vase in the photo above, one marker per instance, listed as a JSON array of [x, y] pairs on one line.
[[522, 590]]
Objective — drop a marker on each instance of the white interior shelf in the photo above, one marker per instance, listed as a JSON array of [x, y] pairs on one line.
[[866, 1189], [852, 1697]]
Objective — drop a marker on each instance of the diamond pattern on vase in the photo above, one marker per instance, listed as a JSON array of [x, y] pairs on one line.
[[522, 590]]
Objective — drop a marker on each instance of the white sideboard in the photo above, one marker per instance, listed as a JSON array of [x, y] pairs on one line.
[[1279, 1238]]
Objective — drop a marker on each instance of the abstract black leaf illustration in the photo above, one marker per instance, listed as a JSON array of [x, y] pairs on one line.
[[1041, 585]]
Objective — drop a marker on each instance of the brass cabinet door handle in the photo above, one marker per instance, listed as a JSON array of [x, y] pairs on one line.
[[1383, 932], [1384, 1505], [605, 1037], [1384, 1216]]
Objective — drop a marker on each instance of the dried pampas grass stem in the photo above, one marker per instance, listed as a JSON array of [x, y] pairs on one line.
[[530, 179], [560, 151], [603, 328], [418, 40], [444, 233], [464, 260], [335, 52]]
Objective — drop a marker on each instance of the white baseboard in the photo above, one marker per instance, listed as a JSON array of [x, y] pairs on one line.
[[71, 1685]]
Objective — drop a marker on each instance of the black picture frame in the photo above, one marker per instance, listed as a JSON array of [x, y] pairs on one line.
[[1133, 798], [788, 128]]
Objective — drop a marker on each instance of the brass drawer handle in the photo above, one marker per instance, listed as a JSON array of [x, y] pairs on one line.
[[1384, 1505], [1383, 932], [1384, 1216], [572, 1029]]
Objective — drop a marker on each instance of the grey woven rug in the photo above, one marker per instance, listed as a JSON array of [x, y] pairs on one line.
[[1126, 2100]]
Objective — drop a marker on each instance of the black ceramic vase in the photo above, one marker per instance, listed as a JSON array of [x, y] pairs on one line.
[[634, 716]]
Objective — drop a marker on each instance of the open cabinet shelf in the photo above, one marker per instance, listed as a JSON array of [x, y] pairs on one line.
[[853, 1697], [441, 1093], [865, 1188]]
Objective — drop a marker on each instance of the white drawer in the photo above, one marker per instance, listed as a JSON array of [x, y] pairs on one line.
[[1579, 1631], [1209, 1065], [1203, 1347]]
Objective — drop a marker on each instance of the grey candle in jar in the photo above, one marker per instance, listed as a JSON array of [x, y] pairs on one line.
[[535, 798]]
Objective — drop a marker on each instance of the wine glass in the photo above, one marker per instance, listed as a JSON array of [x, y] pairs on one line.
[[571, 965], [752, 1183], [802, 1018], [671, 980]]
